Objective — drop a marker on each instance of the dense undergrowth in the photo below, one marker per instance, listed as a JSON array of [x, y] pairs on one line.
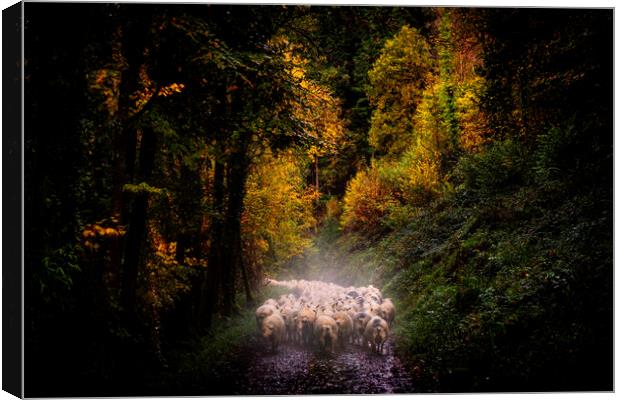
[[501, 284]]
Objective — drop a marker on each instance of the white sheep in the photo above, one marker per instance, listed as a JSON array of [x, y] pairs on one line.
[[387, 311], [273, 330], [376, 334], [345, 327], [263, 312], [326, 332]]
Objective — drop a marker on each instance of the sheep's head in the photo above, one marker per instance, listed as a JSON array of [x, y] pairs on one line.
[[268, 330], [327, 331]]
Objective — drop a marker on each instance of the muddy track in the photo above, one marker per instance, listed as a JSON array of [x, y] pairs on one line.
[[295, 369]]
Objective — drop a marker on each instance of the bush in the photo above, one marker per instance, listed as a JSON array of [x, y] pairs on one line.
[[555, 153], [367, 202], [504, 165], [387, 195]]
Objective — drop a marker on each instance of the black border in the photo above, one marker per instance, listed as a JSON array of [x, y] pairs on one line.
[[12, 200]]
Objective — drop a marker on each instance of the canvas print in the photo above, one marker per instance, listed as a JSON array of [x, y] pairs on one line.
[[233, 199]]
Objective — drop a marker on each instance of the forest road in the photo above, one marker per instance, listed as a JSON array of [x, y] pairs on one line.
[[294, 369]]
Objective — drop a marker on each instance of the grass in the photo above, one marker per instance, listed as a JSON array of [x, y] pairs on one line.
[[200, 363], [211, 351]]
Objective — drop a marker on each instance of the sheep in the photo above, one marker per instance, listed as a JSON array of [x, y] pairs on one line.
[[291, 327], [326, 313], [373, 309], [360, 321], [359, 301], [326, 332], [273, 303], [324, 309], [387, 311], [285, 313], [273, 330], [289, 315], [263, 312], [345, 327], [351, 310], [285, 300], [305, 323], [376, 334]]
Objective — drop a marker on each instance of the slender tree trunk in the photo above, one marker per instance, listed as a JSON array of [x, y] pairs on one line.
[[124, 171], [179, 255], [136, 232], [232, 243], [131, 40], [246, 282], [190, 212], [316, 173], [211, 281]]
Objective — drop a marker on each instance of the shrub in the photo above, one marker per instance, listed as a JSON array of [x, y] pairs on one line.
[[502, 166], [555, 153], [367, 201]]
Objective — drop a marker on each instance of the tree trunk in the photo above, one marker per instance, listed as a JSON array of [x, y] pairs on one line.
[[136, 232], [316, 173], [232, 241], [246, 282], [190, 212], [179, 255], [132, 41], [211, 281]]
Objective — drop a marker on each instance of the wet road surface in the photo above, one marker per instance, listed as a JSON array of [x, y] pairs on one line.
[[294, 369]]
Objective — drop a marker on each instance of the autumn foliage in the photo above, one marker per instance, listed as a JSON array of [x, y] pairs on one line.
[[176, 155], [428, 97]]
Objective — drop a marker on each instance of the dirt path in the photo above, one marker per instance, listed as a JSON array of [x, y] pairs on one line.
[[298, 370]]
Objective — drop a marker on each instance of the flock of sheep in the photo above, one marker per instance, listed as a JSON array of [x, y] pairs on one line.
[[326, 315]]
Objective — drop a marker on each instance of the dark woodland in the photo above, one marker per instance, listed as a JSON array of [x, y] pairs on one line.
[[184, 162]]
